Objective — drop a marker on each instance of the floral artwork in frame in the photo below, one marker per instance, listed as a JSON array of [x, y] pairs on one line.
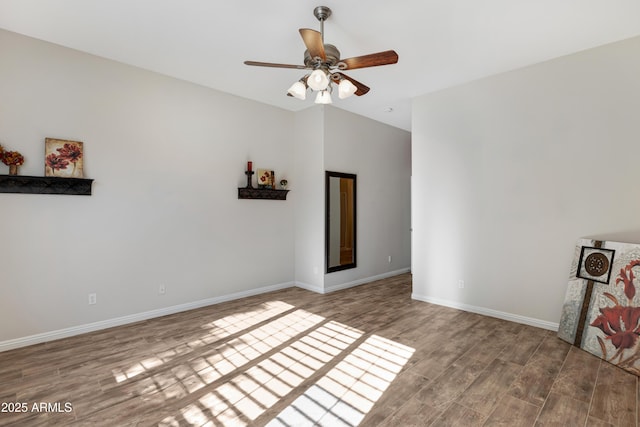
[[63, 158], [266, 178], [601, 311]]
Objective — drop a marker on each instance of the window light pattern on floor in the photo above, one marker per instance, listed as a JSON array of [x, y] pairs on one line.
[[249, 394], [327, 372], [348, 391], [224, 328]]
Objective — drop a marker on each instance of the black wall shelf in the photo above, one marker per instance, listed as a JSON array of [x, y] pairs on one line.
[[262, 193], [45, 185]]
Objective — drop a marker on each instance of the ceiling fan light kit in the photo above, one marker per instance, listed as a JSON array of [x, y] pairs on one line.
[[324, 60], [323, 97], [318, 80], [298, 90], [346, 89]]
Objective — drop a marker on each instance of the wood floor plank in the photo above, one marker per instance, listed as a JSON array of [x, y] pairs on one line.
[[614, 398], [554, 348], [513, 412], [489, 388], [451, 383], [413, 413], [560, 410], [523, 346], [395, 397], [457, 415], [578, 376], [373, 352], [594, 422], [536, 379]]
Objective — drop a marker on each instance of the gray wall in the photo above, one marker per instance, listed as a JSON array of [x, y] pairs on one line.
[[511, 170]]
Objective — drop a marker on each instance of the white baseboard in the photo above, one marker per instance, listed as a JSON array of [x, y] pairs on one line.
[[320, 290], [104, 324], [308, 287], [489, 312]]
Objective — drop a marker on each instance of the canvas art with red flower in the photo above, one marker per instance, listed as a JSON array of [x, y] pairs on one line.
[[620, 323], [601, 311], [63, 158]]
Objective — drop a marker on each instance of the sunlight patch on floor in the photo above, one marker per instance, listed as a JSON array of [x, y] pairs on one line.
[[234, 355], [237, 322], [348, 391], [260, 357], [246, 396], [261, 339]]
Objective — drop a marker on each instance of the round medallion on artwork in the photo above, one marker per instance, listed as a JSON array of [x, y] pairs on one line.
[[596, 264]]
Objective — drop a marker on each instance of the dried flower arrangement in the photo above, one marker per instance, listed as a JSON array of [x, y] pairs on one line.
[[12, 158]]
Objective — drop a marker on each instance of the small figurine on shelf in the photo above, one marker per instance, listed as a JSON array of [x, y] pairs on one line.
[[13, 159], [283, 184]]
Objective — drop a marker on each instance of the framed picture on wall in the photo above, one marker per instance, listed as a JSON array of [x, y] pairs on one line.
[[63, 158]]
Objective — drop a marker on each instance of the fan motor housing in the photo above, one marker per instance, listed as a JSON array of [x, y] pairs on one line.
[[331, 52]]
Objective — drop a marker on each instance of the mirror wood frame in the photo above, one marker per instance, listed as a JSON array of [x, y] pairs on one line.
[[328, 256]]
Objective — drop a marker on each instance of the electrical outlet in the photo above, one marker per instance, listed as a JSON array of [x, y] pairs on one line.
[[461, 284], [389, 259], [92, 299], [162, 289]]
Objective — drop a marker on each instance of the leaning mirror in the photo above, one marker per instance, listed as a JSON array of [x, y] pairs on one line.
[[340, 217]]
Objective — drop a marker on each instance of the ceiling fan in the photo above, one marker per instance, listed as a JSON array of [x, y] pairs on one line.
[[326, 65]]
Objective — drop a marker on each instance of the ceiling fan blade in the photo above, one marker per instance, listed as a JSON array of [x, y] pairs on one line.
[[362, 89], [313, 41], [373, 60], [274, 65]]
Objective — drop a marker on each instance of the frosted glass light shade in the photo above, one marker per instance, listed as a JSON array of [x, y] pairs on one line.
[[318, 80], [323, 98], [346, 89], [298, 90]]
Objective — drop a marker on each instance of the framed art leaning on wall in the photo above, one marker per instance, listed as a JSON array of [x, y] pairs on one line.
[[601, 311]]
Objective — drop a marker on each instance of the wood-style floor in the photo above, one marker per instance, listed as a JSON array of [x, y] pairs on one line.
[[367, 356]]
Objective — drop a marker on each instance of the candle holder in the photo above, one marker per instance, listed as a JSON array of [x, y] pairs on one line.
[[249, 178]]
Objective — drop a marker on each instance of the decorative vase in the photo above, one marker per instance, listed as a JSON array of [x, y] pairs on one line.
[[13, 169]]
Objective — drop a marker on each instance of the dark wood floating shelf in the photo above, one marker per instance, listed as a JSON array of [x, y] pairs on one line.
[[45, 185], [262, 193]]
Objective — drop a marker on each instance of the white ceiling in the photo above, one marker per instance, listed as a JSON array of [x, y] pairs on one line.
[[441, 43]]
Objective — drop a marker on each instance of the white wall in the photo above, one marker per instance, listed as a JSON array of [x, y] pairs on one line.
[[380, 156], [167, 158], [511, 170], [309, 198], [328, 138]]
